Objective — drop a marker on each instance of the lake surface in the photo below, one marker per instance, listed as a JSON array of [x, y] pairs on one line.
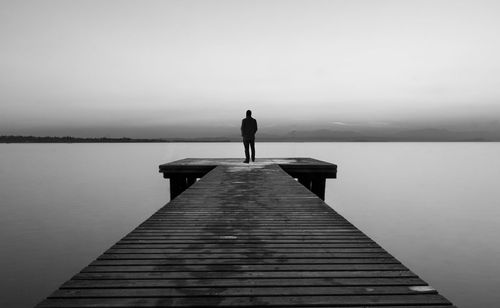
[[435, 206]]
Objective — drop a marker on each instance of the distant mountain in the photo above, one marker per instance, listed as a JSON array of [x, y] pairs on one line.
[[426, 135], [69, 139], [437, 134]]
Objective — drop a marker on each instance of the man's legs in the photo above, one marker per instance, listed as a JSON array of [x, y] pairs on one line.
[[252, 145], [246, 143]]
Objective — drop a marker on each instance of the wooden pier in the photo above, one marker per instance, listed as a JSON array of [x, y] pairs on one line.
[[246, 235]]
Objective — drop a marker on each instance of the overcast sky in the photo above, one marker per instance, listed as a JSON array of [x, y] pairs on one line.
[[105, 67]]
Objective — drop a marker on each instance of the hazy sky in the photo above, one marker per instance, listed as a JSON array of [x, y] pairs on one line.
[[111, 67]]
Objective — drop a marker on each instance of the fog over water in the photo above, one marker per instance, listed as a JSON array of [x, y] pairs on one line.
[[432, 205], [191, 68]]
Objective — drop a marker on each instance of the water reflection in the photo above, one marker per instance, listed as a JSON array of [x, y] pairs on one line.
[[432, 205]]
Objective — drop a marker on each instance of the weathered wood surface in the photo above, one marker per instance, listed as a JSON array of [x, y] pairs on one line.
[[246, 235], [311, 173]]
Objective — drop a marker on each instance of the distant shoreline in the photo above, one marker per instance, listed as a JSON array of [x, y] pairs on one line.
[[47, 139]]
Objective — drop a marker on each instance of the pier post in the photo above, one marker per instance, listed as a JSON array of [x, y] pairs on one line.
[[318, 187], [177, 185]]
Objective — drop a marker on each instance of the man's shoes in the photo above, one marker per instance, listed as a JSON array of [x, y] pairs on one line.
[[253, 159], [246, 161]]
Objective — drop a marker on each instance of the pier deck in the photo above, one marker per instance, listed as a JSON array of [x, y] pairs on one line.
[[245, 235]]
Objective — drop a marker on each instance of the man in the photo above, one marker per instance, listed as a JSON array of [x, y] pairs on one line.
[[248, 130]]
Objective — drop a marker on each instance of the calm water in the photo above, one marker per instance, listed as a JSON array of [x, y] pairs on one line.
[[435, 206]]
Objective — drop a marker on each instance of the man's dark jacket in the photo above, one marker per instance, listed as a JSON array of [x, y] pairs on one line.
[[248, 128]]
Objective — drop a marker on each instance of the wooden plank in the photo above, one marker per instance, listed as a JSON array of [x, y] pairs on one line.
[[278, 266], [241, 291], [232, 250], [239, 241], [246, 239], [244, 282], [245, 261], [252, 301], [242, 245], [236, 274], [246, 267], [250, 254]]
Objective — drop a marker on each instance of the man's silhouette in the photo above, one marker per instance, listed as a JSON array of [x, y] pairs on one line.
[[248, 130]]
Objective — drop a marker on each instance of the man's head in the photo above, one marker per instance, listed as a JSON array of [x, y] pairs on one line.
[[249, 113]]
